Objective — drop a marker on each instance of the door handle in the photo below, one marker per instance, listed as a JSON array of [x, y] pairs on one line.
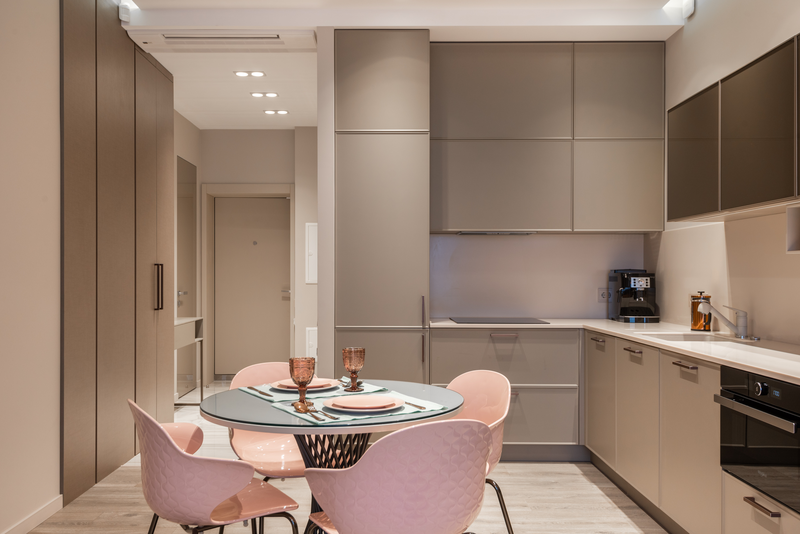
[[749, 411]]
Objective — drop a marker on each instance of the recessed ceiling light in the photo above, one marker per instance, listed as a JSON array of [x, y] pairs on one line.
[[257, 74], [242, 73], [257, 95], [269, 112], [283, 112], [271, 95]]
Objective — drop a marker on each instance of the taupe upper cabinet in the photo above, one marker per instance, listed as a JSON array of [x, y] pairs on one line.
[[758, 138], [619, 185], [382, 250], [382, 80], [694, 156], [619, 90], [501, 90], [502, 185]]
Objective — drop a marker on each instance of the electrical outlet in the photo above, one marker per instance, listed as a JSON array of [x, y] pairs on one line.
[[603, 295]]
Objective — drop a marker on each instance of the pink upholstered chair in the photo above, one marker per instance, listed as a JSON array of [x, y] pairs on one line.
[[205, 493], [487, 396], [188, 437], [426, 479], [272, 455]]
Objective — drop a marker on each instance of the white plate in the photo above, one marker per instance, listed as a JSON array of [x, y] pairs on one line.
[[318, 384], [329, 404]]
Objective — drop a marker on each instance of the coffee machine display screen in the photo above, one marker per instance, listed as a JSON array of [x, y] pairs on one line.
[[640, 282]]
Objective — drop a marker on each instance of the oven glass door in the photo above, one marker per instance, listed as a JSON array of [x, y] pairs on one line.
[[760, 454]]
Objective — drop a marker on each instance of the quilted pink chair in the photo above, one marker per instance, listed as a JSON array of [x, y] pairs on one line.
[[426, 479], [203, 493], [487, 396], [272, 455], [188, 437]]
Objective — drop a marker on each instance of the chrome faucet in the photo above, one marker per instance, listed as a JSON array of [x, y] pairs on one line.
[[739, 329]]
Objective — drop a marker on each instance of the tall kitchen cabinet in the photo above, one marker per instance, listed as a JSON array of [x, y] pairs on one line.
[[382, 200], [155, 239], [117, 180]]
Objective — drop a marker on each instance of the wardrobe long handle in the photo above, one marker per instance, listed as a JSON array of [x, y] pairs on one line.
[[423, 348], [423, 312], [159, 286]]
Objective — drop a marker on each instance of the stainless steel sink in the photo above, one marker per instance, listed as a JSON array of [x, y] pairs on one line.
[[701, 337]]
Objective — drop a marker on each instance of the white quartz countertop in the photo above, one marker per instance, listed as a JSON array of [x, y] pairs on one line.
[[768, 358]]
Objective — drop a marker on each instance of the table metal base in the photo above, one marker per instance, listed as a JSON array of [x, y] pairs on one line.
[[331, 451]]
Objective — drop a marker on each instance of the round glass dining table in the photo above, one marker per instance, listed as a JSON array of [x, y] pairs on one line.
[[334, 444]]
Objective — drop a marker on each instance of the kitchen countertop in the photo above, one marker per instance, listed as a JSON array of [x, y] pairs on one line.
[[768, 358]]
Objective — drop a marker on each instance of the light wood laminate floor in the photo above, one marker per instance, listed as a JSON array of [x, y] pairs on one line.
[[541, 498]]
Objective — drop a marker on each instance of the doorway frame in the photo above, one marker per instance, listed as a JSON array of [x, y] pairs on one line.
[[208, 192]]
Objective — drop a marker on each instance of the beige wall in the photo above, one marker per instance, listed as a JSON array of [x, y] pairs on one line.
[[30, 234], [545, 276], [304, 297], [247, 156], [741, 263]]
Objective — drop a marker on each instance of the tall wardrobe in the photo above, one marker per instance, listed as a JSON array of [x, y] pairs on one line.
[[118, 242]]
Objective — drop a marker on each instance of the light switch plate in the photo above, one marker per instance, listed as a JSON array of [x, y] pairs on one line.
[[603, 295]]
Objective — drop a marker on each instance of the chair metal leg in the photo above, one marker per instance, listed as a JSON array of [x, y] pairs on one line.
[[310, 526], [288, 516], [493, 484], [221, 529], [253, 528], [153, 524]]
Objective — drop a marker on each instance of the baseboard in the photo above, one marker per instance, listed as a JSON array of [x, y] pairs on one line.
[[666, 522], [544, 453], [37, 517]]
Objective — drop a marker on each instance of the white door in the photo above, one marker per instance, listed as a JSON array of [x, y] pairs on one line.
[[252, 280]]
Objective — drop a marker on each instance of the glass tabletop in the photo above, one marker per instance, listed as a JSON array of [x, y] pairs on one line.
[[237, 409]]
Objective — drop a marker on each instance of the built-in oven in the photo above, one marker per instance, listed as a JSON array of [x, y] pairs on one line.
[[760, 433]]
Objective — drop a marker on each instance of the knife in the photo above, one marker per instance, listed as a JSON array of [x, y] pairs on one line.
[[259, 391]]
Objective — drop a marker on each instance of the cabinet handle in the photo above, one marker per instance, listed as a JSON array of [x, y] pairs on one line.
[[632, 351], [766, 511], [503, 335], [685, 366], [598, 339], [423, 348], [159, 286]]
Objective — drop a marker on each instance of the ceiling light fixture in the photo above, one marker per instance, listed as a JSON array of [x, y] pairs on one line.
[[271, 95], [242, 73], [269, 112], [257, 74], [283, 112], [257, 95]]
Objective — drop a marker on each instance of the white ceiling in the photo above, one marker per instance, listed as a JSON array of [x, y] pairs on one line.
[[211, 97], [404, 4], [209, 94]]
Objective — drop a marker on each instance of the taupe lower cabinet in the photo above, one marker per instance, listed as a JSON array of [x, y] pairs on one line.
[[601, 391], [740, 517], [690, 470], [543, 366], [390, 354], [637, 416]]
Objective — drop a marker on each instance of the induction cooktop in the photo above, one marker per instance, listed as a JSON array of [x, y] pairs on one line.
[[497, 320]]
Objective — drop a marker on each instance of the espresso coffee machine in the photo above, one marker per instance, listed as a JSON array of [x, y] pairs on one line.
[[632, 296]]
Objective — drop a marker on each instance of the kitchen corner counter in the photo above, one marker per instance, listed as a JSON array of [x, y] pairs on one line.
[[768, 358]]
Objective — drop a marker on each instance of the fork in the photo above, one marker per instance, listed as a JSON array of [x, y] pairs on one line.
[[313, 409]]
